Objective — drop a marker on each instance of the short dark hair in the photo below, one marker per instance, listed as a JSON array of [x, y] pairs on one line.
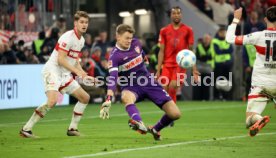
[[176, 7], [271, 14], [80, 14], [122, 28], [173, 8]]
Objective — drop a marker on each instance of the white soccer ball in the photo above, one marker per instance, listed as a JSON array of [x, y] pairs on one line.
[[186, 58]]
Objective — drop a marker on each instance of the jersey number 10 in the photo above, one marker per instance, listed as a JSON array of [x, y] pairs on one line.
[[267, 52]]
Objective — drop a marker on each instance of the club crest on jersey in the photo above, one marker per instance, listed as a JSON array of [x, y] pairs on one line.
[[137, 50], [63, 44]]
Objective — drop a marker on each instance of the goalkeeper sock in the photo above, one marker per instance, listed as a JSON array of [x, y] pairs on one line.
[[164, 121], [77, 114], [39, 113], [133, 112], [172, 93]]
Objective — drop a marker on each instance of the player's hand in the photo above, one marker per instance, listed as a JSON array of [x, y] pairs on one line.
[[157, 74], [104, 112], [89, 80], [81, 74], [238, 13], [196, 74]]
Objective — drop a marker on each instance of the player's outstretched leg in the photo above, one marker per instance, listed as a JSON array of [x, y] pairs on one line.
[[255, 107], [78, 111], [172, 113], [135, 122]]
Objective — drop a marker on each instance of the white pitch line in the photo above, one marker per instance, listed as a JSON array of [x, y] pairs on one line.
[[163, 146], [124, 114]]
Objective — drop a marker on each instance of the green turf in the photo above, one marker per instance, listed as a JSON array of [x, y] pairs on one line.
[[206, 129]]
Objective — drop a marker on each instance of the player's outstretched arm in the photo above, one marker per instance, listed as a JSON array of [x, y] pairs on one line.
[[230, 34], [112, 80], [243, 39]]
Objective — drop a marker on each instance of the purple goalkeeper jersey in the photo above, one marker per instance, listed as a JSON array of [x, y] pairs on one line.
[[130, 65], [127, 62]]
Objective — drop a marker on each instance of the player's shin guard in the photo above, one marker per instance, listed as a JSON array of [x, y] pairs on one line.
[[77, 114], [172, 93], [164, 121], [39, 113], [133, 112]]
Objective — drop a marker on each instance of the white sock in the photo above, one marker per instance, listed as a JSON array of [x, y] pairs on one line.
[[77, 114], [251, 120], [39, 113], [256, 118]]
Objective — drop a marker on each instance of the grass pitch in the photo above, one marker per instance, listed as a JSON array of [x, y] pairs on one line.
[[206, 129]]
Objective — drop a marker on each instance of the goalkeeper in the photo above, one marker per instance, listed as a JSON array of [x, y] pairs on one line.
[[127, 60]]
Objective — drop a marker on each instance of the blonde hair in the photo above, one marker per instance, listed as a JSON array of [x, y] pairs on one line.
[[122, 28], [80, 14]]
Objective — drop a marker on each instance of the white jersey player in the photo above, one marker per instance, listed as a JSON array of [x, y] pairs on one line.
[[57, 76], [263, 86]]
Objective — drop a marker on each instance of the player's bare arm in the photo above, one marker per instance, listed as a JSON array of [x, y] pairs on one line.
[[196, 74], [78, 65], [230, 34], [195, 71], [63, 62], [160, 60]]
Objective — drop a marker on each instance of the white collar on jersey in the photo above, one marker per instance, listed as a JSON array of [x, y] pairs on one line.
[[121, 48]]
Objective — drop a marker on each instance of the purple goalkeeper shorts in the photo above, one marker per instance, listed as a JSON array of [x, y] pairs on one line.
[[154, 93]]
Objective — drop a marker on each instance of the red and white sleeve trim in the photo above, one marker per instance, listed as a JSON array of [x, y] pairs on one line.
[[239, 40]]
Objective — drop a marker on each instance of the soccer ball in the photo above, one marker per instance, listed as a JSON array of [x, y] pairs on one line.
[[186, 58]]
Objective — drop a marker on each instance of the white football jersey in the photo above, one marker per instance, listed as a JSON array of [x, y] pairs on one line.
[[71, 43], [264, 69]]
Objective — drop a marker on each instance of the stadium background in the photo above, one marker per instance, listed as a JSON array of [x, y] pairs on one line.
[[23, 21]]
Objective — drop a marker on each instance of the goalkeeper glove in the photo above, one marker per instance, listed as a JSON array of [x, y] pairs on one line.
[[104, 113]]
